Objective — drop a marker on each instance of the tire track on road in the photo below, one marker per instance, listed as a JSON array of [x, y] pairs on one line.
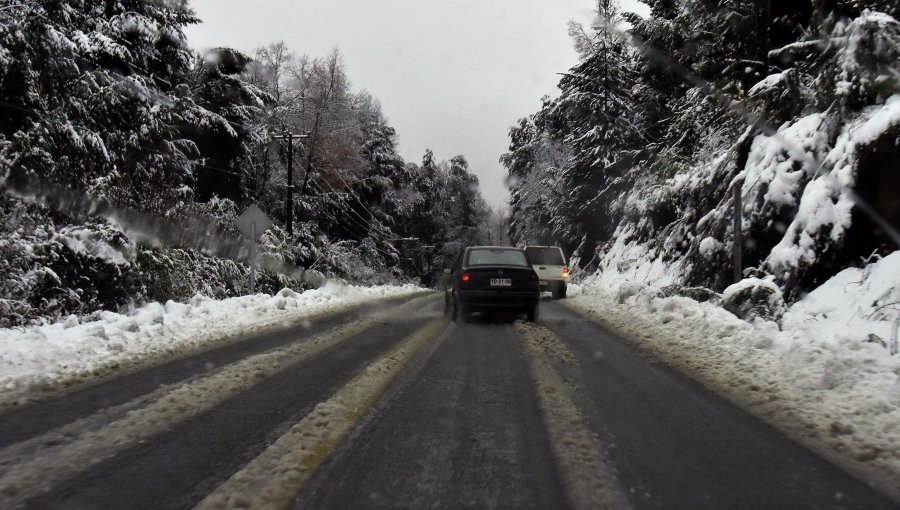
[[674, 443], [459, 428], [69, 400], [579, 454], [37, 465], [275, 476]]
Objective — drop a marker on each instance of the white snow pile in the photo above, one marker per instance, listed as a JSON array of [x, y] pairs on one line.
[[49, 355], [709, 246], [856, 304], [825, 375], [773, 81]]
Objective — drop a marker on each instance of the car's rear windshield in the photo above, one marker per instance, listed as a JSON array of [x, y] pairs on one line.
[[545, 256], [496, 257]]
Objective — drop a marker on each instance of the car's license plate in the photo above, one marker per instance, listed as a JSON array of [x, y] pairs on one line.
[[543, 282], [501, 282]]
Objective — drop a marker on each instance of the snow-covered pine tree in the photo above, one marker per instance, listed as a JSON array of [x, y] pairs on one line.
[[100, 100], [424, 221], [535, 158], [227, 149], [603, 123]]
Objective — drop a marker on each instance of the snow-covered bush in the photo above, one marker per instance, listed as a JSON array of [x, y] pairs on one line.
[[53, 265], [50, 270], [857, 63], [753, 298], [699, 294]]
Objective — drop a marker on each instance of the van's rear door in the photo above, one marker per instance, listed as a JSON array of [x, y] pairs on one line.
[[548, 261]]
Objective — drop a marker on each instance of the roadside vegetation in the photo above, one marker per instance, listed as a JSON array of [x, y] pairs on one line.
[[633, 168], [106, 115]]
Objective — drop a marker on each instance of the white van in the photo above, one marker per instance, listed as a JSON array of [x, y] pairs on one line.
[[550, 265]]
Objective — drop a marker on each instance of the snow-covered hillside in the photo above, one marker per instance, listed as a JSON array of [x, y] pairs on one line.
[[634, 170]]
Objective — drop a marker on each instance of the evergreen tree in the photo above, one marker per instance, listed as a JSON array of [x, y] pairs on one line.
[[603, 123], [657, 135], [95, 98], [227, 149], [535, 158]]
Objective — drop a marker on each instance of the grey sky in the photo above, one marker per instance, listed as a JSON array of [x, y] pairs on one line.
[[451, 76]]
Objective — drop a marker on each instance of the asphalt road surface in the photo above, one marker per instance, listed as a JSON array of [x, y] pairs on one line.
[[390, 405]]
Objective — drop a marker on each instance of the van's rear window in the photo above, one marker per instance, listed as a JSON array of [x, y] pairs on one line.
[[545, 256], [496, 257]]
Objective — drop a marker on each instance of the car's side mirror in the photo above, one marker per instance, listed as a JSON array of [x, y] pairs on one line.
[[448, 271]]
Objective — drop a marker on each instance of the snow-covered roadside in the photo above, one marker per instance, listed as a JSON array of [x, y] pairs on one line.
[[45, 357], [821, 377]]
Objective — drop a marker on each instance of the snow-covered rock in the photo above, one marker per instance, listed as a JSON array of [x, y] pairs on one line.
[[753, 298]]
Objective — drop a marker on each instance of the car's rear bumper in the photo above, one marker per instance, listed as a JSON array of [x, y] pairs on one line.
[[488, 300], [551, 285]]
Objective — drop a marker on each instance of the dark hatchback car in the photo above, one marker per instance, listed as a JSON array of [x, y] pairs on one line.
[[492, 279]]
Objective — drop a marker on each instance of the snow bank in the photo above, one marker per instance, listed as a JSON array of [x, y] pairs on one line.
[[46, 356], [856, 304], [825, 377]]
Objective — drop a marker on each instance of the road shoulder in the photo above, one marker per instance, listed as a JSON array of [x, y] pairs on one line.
[[795, 413]]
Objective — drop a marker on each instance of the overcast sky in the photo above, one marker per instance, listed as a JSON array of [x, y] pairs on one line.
[[452, 76]]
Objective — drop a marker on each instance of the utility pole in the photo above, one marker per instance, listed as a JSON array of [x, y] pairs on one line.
[[763, 20], [290, 137], [738, 247]]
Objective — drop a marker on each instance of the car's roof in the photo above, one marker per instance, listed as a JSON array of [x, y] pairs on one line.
[[493, 248], [539, 246]]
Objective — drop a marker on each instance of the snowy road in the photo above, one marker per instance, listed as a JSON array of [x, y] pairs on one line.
[[393, 406]]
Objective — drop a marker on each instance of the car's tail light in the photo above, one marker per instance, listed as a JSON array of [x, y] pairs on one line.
[[535, 277], [465, 277], [565, 272]]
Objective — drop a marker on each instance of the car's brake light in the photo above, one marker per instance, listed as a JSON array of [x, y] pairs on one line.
[[565, 272], [465, 277]]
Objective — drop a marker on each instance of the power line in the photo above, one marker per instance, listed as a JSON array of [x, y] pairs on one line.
[[210, 167], [374, 234], [373, 229], [363, 224], [359, 201], [357, 238], [375, 218], [372, 215], [342, 225], [350, 210], [358, 220]]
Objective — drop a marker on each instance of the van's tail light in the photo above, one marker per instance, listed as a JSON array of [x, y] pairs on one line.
[[465, 277], [565, 272]]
